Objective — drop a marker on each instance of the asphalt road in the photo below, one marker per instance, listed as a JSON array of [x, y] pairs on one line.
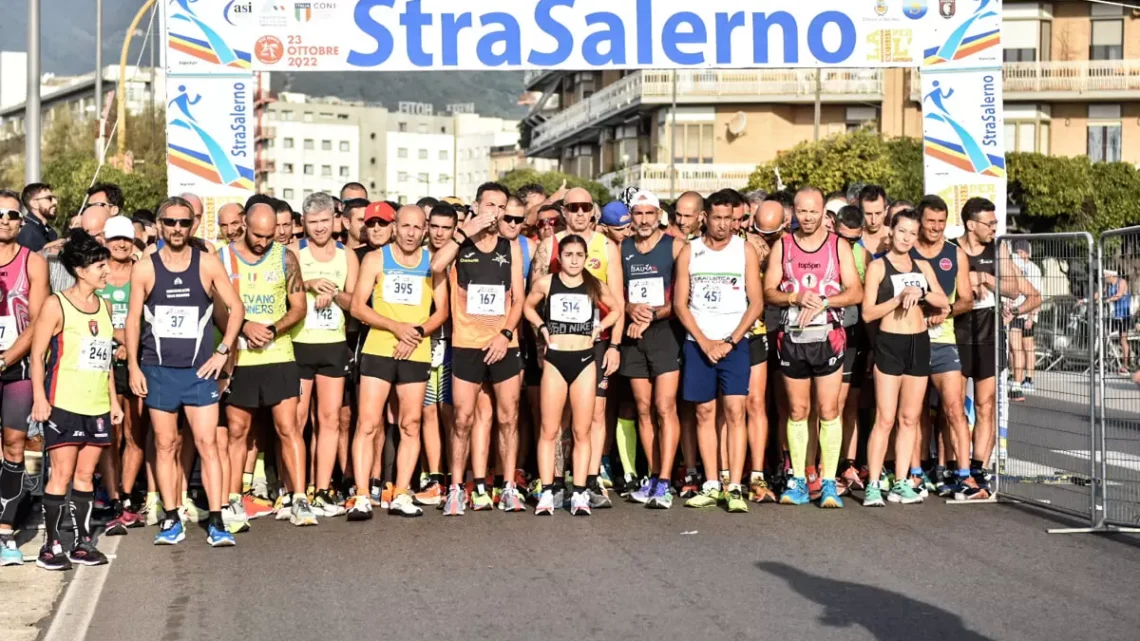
[[961, 573]]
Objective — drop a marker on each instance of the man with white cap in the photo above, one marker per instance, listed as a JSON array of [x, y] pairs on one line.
[[651, 348]]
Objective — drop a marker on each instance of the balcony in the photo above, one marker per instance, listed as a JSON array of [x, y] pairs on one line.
[[700, 86], [1062, 81], [700, 178], [533, 79], [265, 133]]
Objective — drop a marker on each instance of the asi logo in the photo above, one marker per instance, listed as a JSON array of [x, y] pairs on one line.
[[914, 9], [947, 8], [237, 9], [881, 7]]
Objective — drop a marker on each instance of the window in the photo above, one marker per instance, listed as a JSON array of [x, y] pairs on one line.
[[422, 128], [423, 154], [1104, 140], [424, 177], [344, 145], [694, 144], [402, 152], [287, 193], [342, 116], [343, 171], [307, 193], [443, 178], [372, 136], [326, 145], [1107, 40], [443, 154], [402, 127], [308, 116], [287, 168], [286, 115], [1019, 40], [402, 177], [288, 143], [326, 170], [443, 130], [307, 170], [308, 144], [326, 114], [1027, 136]]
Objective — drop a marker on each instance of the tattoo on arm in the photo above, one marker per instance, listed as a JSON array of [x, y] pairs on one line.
[[293, 274], [540, 266]]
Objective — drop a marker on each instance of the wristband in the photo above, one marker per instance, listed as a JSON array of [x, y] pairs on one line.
[[419, 330], [459, 230]]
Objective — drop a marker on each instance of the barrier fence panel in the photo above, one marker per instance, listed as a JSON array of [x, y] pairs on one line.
[[1046, 383], [1119, 410]]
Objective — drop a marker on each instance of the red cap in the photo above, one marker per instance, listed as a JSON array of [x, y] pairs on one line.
[[380, 210]]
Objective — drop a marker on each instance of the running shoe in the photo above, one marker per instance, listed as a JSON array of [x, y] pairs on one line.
[[133, 519], [970, 490], [642, 494], [511, 501], [919, 486], [255, 508], [455, 502], [234, 517], [53, 558], [283, 508], [496, 493], [690, 486], [760, 492], [219, 538], [359, 508], [796, 492], [873, 496], [599, 496], [852, 480], [310, 492], [662, 497], [629, 485], [481, 501], [116, 526], [903, 492], [153, 509], [815, 486], [1027, 386], [193, 513], [545, 503], [403, 505], [172, 533], [260, 491], [431, 494], [829, 495], [707, 497], [325, 505], [605, 475], [580, 503], [735, 500], [534, 492], [560, 500], [376, 492], [1016, 394], [302, 513], [521, 480], [10, 553]]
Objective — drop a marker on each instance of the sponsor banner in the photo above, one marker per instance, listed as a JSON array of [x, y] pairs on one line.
[[209, 36], [956, 191], [963, 124], [964, 34], [210, 127], [385, 35], [209, 230]]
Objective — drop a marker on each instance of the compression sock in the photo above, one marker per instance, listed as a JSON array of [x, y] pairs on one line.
[[627, 444], [259, 466], [480, 485], [500, 481], [11, 489], [797, 445], [53, 516], [830, 445], [216, 520], [81, 505], [246, 481], [437, 477]]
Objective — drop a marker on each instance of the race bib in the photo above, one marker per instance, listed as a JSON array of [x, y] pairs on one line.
[[402, 289], [710, 295], [570, 308], [327, 318], [487, 300], [95, 355], [118, 319], [792, 319], [173, 321], [934, 331], [909, 279], [647, 291], [8, 333]]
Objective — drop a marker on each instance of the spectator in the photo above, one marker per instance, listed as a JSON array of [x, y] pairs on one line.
[[41, 206]]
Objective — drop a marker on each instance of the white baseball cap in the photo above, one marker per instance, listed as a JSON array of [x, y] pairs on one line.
[[644, 197], [119, 227], [835, 205]]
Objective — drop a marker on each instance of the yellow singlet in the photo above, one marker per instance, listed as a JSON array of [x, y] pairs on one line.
[[264, 292], [79, 361], [322, 326], [403, 294]]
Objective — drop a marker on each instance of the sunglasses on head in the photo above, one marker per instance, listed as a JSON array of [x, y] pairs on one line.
[[514, 220], [579, 208], [10, 214], [185, 223], [766, 232], [376, 222]]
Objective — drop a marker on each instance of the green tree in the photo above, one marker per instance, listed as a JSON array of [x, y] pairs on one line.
[[552, 180]]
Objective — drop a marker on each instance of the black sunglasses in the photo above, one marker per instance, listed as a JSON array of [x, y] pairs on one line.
[[184, 223], [376, 222], [579, 208], [514, 220], [11, 214]]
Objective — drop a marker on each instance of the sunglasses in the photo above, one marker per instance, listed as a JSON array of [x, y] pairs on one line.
[[514, 220], [299, 236], [548, 222], [91, 205], [184, 223], [10, 214], [579, 208], [851, 239], [376, 222]]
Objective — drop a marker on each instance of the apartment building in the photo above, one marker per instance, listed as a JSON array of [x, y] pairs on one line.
[[1072, 87]]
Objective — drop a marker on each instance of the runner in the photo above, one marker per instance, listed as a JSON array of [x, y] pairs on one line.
[[438, 410], [24, 281], [403, 291], [687, 217], [42, 207], [818, 277], [549, 222], [849, 225], [718, 299], [1021, 329], [272, 289], [896, 285], [120, 474], [510, 226], [651, 348], [976, 331], [353, 190], [486, 305], [604, 262], [323, 358], [951, 267], [169, 335], [574, 299], [231, 222], [354, 222], [284, 228], [74, 397], [873, 201]]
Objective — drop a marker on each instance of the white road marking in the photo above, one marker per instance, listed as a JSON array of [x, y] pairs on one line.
[[1115, 459], [77, 607]]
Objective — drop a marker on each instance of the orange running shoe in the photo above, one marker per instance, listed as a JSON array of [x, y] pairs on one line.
[[432, 494], [255, 508]]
